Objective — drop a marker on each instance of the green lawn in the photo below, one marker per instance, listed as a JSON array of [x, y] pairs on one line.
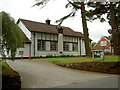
[[82, 59], [6, 69]]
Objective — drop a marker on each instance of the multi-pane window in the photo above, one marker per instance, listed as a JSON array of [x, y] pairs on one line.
[[103, 43], [40, 45], [75, 46], [66, 46], [21, 53], [53, 45]]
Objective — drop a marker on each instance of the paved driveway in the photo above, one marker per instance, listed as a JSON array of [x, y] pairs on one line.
[[42, 74]]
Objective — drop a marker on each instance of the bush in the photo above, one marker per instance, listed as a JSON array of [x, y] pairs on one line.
[[108, 53]]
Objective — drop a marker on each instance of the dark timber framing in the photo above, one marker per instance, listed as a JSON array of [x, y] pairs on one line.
[[34, 43], [80, 45]]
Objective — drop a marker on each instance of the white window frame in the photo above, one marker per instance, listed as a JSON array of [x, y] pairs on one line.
[[75, 46], [103, 43], [53, 46], [66, 46], [41, 45]]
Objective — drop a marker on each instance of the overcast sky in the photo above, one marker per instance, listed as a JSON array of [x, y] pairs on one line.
[[53, 11]]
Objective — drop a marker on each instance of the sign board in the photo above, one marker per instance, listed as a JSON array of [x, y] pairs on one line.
[[98, 54]]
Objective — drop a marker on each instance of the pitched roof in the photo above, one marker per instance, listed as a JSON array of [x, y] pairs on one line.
[[107, 37], [98, 46], [45, 28]]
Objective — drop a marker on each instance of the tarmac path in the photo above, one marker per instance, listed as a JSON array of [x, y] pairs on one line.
[[42, 74]]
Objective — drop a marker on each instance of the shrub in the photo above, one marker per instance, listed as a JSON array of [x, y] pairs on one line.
[[108, 53]]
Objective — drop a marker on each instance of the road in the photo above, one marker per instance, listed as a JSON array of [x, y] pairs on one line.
[[42, 74]]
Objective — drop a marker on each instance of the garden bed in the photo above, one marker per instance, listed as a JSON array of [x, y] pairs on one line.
[[102, 67]]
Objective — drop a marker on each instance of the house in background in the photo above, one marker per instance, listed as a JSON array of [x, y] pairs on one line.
[[103, 44], [44, 39]]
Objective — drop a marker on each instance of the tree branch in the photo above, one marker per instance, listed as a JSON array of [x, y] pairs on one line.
[[74, 4]]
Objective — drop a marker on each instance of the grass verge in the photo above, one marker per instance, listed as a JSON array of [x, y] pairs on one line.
[[82, 59], [6, 69]]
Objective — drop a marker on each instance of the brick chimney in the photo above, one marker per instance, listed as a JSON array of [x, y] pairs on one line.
[[60, 29], [47, 21]]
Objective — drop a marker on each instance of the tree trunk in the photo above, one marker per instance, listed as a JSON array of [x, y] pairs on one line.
[[85, 31], [114, 29], [119, 43]]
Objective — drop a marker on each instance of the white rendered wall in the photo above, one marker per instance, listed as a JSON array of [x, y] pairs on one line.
[[60, 40], [70, 47], [60, 43], [25, 51], [32, 45], [79, 46], [46, 37], [82, 47], [71, 39], [47, 52], [47, 45], [72, 53]]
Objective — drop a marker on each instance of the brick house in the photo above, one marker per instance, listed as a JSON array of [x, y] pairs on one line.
[[103, 44]]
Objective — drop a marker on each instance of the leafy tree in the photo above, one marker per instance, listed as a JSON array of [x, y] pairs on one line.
[[76, 5], [12, 37], [112, 12], [93, 43]]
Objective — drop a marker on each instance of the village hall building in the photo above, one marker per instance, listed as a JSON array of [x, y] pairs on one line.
[[44, 39]]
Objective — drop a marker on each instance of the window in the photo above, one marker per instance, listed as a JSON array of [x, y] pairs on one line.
[[52, 37], [21, 53], [75, 46], [66, 46], [53, 45], [47, 36], [106, 50], [103, 43], [41, 45]]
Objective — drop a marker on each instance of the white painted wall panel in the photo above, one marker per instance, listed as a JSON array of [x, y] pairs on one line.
[[43, 36], [82, 47], [47, 46], [56, 37], [47, 53], [79, 46], [70, 47], [25, 51], [39, 35], [73, 53], [52, 37], [70, 39], [47, 36], [60, 43], [60, 39], [32, 44]]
